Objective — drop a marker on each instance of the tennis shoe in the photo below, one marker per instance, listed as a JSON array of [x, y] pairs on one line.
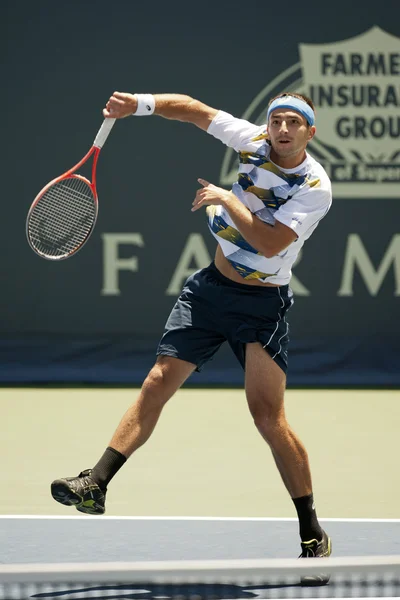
[[81, 492], [316, 549]]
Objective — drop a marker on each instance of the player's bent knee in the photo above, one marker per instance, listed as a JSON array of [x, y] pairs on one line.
[[156, 378], [165, 378], [268, 418]]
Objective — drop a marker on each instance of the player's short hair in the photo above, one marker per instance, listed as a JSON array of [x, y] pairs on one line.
[[303, 97]]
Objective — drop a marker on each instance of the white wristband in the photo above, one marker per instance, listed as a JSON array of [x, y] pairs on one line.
[[146, 105]]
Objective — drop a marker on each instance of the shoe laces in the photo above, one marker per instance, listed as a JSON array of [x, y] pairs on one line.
[[85, 473], [308, 549]]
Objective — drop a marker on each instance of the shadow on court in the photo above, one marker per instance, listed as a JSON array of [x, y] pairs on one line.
[[167, 591]]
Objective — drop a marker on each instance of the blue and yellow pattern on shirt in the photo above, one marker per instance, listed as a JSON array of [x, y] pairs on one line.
[[263, 188]]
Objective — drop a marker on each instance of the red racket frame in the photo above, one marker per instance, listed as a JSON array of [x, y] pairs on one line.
[[71, 173]]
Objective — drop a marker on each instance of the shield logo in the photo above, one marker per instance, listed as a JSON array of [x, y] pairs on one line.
[[355, 87]]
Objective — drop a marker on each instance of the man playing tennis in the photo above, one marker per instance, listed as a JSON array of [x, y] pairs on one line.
[[260, 226]]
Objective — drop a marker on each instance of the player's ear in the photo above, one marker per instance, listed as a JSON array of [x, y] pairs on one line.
[[311, 132]]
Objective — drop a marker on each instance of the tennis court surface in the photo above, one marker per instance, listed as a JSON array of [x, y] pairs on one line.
[[79, 557]]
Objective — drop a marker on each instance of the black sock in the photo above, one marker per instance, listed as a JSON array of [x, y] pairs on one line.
[[309, 527], [108, 465]]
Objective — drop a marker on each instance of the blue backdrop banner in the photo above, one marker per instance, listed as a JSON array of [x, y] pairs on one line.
[[98, 316]]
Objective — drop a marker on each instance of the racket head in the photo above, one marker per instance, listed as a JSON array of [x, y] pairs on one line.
[[62, 217]]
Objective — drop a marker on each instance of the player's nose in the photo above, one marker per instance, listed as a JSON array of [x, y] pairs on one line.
[[283, 127]]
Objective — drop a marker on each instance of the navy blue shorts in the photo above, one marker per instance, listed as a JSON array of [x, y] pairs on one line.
[[212, 309]]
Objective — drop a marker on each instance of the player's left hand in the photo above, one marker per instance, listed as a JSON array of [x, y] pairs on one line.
[[210, 194]]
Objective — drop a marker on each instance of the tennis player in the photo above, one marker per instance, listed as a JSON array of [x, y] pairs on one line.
[[242, 297]]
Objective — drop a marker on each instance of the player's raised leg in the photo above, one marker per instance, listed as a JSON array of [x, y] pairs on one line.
[[87, 491]]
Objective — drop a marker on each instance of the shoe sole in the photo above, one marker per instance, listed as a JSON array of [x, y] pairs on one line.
[[314, 580], [63, 494]]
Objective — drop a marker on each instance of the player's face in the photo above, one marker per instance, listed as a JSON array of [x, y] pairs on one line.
[[289, 134]]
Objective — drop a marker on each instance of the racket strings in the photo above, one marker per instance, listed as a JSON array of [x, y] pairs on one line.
[[63, 217]]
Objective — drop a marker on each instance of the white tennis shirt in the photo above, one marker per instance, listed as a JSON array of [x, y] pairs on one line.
[[298, 198]]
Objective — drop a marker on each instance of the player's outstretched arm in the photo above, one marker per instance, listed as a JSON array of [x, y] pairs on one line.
[[170, 106]]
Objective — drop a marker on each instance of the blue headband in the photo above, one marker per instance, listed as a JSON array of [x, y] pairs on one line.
[[296, 104]]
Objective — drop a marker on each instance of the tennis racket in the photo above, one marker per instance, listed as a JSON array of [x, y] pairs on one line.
[[64, 213]]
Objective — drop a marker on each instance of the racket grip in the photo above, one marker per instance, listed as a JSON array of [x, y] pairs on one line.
[[103, 132]]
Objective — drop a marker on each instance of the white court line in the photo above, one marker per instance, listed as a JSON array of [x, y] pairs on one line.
[[155, 518]]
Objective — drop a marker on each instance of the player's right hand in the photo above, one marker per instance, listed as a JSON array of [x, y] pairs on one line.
[[120, 105]]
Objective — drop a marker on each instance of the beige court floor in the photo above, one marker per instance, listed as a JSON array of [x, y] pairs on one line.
[[205, 457]]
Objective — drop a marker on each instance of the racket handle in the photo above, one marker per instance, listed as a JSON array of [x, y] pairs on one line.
[[103, 132]]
